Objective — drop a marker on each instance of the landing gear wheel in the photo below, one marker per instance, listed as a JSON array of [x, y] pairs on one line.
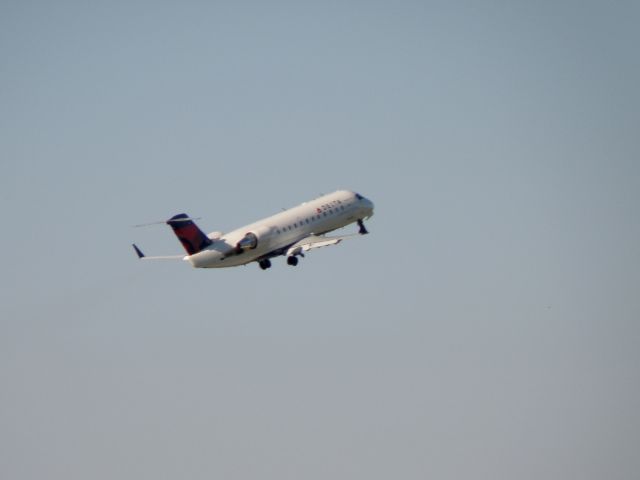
[[363, 230], [293, 261], [264, 264]]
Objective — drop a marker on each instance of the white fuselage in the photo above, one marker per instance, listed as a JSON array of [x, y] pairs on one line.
[[272, 236]]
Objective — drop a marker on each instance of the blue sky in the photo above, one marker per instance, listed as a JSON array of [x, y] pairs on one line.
[[488, 326]]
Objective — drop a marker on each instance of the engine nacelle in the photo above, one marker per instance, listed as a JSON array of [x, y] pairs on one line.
[[251, 240], [215, 235], [248, 242]]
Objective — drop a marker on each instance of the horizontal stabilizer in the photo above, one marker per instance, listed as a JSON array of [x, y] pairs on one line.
[[164, 222]]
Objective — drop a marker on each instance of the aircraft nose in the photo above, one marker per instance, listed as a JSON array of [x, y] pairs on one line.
[[368, 205], [364, 205]]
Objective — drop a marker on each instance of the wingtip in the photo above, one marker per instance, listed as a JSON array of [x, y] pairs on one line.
[[138, 251]]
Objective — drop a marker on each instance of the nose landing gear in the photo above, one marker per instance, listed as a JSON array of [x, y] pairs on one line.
[[363, 230]]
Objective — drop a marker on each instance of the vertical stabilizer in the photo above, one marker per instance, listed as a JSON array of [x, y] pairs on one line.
[[192, 238]]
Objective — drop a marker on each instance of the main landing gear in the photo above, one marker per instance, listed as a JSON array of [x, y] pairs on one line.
[[363, 230], [264, 264]]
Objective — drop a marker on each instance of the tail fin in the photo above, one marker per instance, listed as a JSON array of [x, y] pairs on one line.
[[192, 238]]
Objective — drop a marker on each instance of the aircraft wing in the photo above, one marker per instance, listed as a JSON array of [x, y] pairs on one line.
[[315, 241], [142, 256]]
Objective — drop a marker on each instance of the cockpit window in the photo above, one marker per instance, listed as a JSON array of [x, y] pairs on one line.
[[359, 197]]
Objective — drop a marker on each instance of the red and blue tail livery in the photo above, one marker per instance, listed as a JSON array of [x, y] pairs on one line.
[[192, 238]]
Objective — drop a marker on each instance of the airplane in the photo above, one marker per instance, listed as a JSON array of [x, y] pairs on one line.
[[290, 233]]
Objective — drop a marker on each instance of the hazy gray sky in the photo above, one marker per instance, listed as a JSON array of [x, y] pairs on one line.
[[488, 326]]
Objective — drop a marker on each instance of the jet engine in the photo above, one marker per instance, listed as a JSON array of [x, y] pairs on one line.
[[251, 239]]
